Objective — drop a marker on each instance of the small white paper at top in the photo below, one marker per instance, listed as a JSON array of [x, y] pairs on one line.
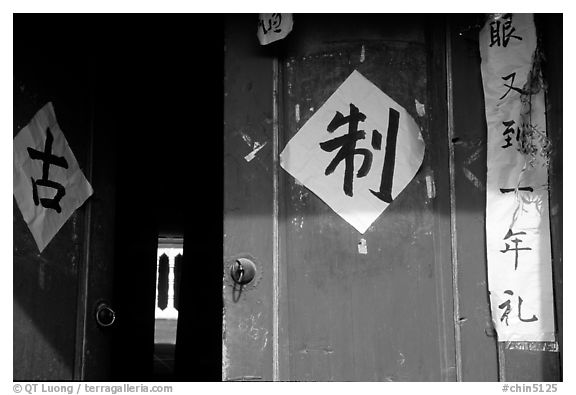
[[273, 27], [384, 144], [48, 183]]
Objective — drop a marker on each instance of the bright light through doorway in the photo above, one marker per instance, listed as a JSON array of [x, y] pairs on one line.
[[166, 313]]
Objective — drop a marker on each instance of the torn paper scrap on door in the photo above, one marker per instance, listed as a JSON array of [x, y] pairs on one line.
[[48, 183], [357, 152], [273, 27]]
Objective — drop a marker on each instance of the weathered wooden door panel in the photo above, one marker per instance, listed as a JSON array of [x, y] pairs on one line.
[[248, 203], [354, 317], [477, 337], [46, 284]]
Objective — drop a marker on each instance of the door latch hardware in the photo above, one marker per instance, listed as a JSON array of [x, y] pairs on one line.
[[242, 271], [105, 316]]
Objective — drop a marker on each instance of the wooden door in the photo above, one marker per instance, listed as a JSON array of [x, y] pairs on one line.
[[148, 140], [47, 312], [58, 291], [318, 309]]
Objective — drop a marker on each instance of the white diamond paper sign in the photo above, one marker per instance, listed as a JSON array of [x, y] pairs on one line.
[[357, 152], [48, 183]]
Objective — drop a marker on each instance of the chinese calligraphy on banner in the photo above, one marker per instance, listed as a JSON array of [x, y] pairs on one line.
[[517, 222], [273, 27], [357, 152], [48, 183]]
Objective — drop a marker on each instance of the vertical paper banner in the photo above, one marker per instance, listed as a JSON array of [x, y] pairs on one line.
[[517, 220]]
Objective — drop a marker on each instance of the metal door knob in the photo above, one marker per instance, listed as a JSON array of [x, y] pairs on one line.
[[105, 316], [242, 271]]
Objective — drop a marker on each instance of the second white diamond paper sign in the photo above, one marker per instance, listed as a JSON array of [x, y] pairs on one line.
[[48, 182], [357, 152]]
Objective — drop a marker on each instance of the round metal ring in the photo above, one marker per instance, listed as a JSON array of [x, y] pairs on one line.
[[103, 308]]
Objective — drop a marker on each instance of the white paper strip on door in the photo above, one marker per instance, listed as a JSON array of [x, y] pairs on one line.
[[517, 220]]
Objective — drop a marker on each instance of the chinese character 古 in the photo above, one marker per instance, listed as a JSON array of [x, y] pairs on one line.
[[48, 159]]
